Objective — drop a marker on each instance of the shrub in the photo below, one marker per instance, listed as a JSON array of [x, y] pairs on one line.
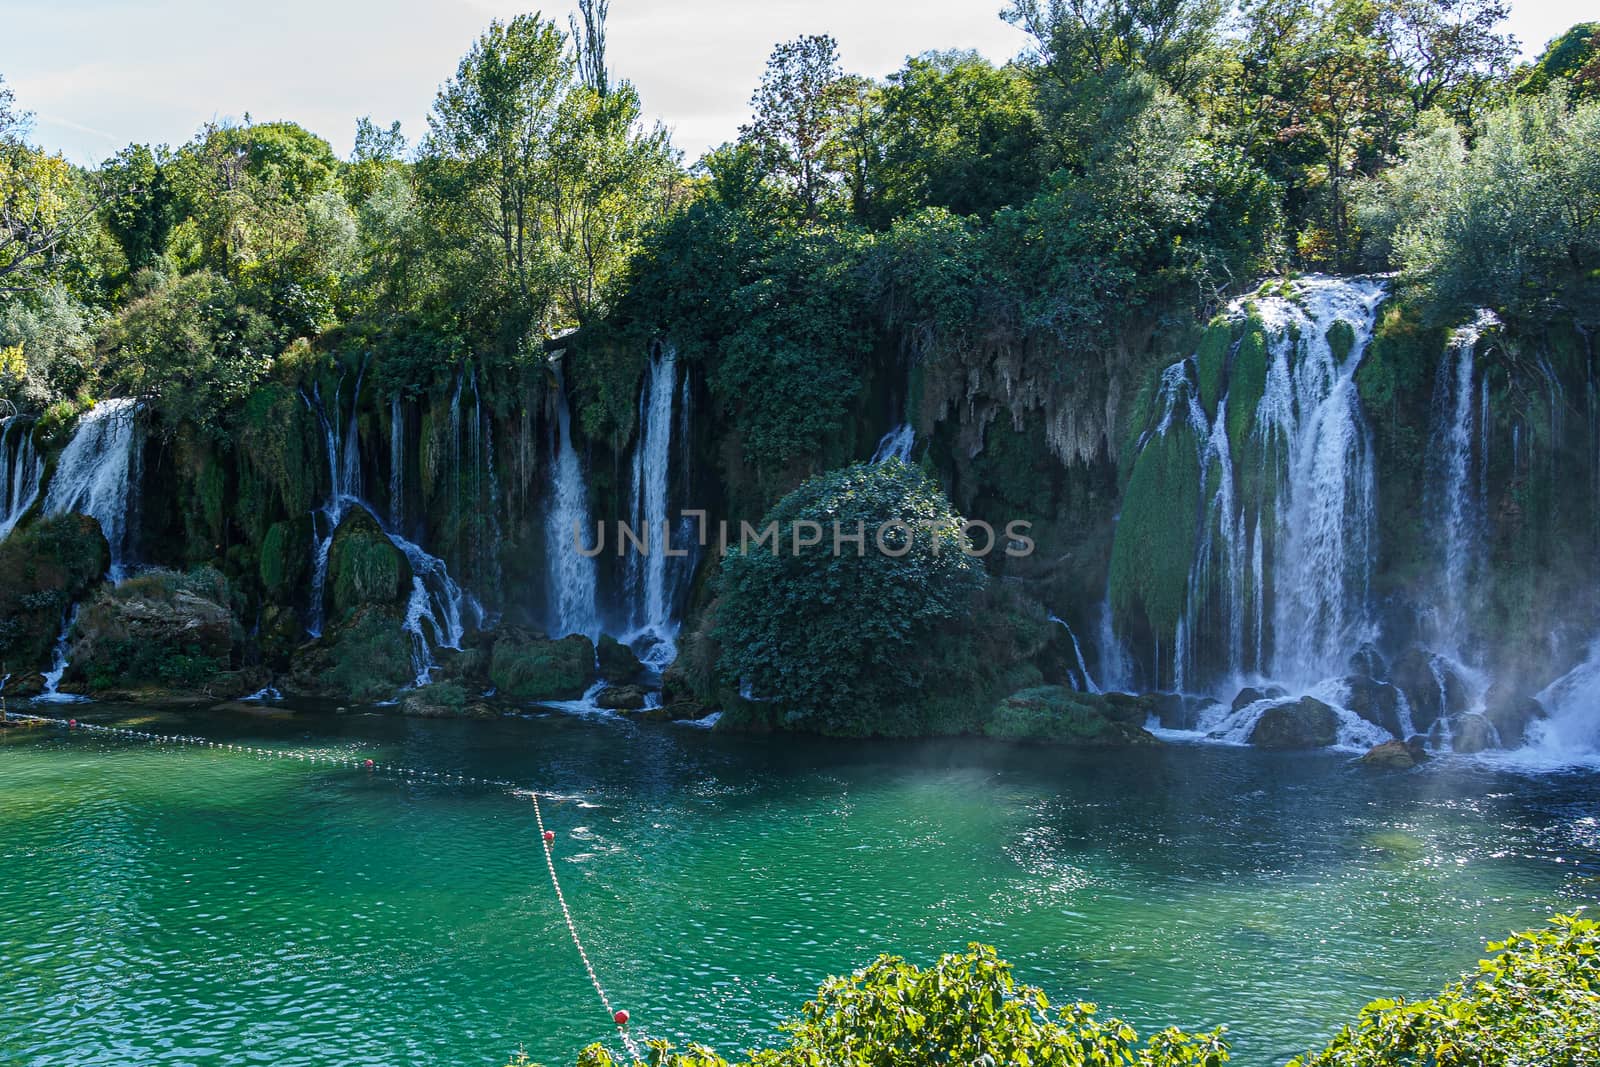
[[542, 670], [1537, 1001], [830, 635], [965, 1009]]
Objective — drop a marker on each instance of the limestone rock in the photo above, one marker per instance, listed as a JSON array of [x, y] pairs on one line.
[[1303, 723]]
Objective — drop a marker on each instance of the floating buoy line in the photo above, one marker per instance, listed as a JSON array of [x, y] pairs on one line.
[[547, 838]]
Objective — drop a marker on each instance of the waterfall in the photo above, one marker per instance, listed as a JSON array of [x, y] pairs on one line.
[[896, 444], [438, 609], [1278, 581], [21, 469], [58, 666], [98, 475], [1327, 510], [1457, 496], [651, 574], [573, 576], [1086, 678]]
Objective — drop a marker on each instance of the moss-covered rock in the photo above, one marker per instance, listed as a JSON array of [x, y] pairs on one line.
[[1059, 715], [44, 568], [1156, 535], [364, 567], [285, 558], [617, 661], [529, 668], [159, 629], [365, 658]]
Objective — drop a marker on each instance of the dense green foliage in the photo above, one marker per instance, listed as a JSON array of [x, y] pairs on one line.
[[831, 632], [1536, 1001]]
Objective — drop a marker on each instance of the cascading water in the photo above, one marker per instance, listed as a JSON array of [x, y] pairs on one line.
[[1086, 680], [397, 464], [58, 666], [896, 444], [1456, 495], [1570, 736], [438, 609], [573, 577], [98, 475], [1278, 582], [652, 575], [21, 470]]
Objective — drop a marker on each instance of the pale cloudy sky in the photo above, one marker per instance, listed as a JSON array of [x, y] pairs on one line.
[[101, 73]]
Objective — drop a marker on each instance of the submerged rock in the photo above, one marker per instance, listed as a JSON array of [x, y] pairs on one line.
[[1056, 714], [1395, 755], [1303, 723]]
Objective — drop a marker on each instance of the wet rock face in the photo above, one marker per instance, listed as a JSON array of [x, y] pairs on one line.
[[1511, 713], [364, 567], [617, 661], [1433, 686], [1472, 733], [1252, 694], [621, 698], [1367, 662], [1303, 723], [1377, 702], [45, 567]]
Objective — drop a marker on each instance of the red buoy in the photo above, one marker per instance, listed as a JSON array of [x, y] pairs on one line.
[[549, 835], [72, 724], [368, 765], [621, 1017]]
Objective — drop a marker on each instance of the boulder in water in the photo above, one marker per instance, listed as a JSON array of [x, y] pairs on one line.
[[1377, 702], [1432, 684], [1303, 723], [1511, 713], [1472, 733], [1252, 694], [621, 698], [617, 660], [534, 669], [1395, 755], [1056, 714]]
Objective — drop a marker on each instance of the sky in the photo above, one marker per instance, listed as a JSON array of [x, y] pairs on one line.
[[99, 74]]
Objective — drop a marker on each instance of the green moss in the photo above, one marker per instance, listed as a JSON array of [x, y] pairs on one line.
[[1341, 339], [1058, 715], [1247, 382], [370, 658], [1155, 540], [364, 567], [279, 457], [1211, 363], [285, 558], [45, 566], [542, 670]]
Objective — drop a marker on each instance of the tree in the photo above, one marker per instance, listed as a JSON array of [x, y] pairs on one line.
[[1448, 51], [958, 133], [799, 109], [43, 206], [1574, 57], [831, 635], [138, 204]]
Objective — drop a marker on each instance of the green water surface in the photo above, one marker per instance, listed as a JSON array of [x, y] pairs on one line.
[[163, 905]]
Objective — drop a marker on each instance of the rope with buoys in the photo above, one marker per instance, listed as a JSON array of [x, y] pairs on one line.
[[546, 837]]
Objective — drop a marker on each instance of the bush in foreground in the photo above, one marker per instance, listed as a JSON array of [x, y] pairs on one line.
[[1536, 1003]]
